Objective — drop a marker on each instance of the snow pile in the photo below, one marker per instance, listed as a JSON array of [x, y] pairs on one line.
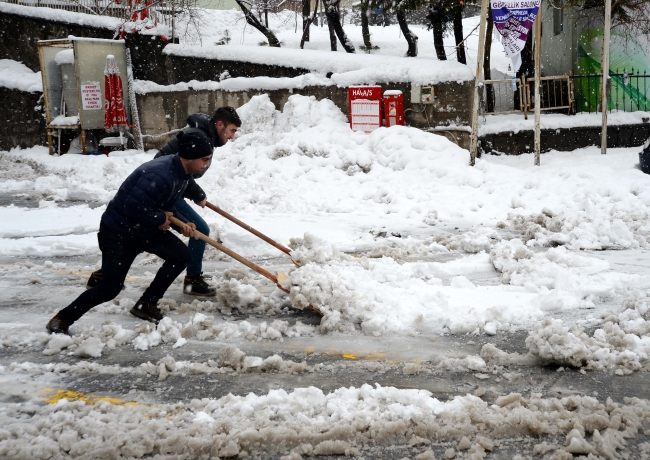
[[622, 342], [562, 278], [588, 229], [398, 247], [16, 75], [306, 421]]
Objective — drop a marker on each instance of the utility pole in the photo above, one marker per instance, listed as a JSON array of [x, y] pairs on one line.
[[478, 84], [538, 83], [605, 80]]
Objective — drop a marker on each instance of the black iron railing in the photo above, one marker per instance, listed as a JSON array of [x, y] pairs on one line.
[[627, 91]]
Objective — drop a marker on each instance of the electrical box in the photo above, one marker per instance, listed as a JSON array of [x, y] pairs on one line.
[[424, 94]]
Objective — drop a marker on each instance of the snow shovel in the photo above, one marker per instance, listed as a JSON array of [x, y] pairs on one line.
[[278, 278], [232, 218]]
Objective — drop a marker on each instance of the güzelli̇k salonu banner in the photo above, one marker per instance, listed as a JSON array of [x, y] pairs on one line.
[[514, 19]]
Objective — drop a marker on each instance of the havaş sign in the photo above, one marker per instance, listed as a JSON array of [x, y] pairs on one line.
[[514, 19]]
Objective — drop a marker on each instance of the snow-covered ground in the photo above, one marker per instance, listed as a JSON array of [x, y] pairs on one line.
[[396, 236], [410, 256]]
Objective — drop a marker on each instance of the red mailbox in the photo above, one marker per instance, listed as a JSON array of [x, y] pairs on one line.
[[365, 107], [394, 107]]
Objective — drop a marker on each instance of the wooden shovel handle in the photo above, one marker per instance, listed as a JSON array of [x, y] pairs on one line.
[[231, 253], [232, 218]]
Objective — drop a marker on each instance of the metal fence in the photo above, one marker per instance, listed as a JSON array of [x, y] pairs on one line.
[[160, 12], [627, 91], [516, 95]]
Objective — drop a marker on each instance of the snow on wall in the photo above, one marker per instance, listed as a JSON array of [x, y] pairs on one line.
[[16, 75], [82, 19], [236, 84], [346, 69]]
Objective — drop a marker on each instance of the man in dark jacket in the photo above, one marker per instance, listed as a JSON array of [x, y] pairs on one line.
[[221, 128], [136, 220]]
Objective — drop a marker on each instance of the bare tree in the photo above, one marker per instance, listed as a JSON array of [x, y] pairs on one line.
[[333, 14], [365, 29], [410, 37], [253, 21]]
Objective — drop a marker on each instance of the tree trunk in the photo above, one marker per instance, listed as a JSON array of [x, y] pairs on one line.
[[310, 21], [333, 15], [330, 26], [527, 66], [253, 21], [438, 34], [458, 34], [266, 14], [365, 29], [306, 20], [487, 72], [410, 37]]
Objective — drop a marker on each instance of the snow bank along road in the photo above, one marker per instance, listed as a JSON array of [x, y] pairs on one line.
[[488, 312]]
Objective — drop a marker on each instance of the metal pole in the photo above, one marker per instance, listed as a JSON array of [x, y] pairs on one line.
[[605, 79], [538, 86], [478, 82]]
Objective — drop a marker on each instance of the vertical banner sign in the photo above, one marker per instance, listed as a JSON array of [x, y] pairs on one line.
[[514, 19]]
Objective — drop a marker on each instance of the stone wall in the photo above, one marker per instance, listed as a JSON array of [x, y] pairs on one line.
[[162, 112], [21, 117], [564, 140]]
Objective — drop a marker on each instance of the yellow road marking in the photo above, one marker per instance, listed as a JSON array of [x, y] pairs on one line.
[[130, 279], [349, 356], [53, 396]]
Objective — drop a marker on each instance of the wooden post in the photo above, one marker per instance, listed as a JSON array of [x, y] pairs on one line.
[[478, 82], [605, 70], [538, 85]]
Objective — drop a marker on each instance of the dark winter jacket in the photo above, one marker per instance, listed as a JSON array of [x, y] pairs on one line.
[[152, 188], [204, 123]]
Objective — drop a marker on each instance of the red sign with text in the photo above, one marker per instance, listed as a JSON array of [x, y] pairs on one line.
[[365, 107]]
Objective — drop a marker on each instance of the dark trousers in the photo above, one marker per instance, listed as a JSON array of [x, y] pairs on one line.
[[119, 250]]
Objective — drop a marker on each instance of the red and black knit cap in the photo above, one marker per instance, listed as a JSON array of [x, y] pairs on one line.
[[193, 143]]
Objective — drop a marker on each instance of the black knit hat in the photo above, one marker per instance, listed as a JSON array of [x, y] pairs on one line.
[[193, 143]]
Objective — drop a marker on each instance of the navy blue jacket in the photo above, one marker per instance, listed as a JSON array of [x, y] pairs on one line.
[[203, 122], [152, 188]]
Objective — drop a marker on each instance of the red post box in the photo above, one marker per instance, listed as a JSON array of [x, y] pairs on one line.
[[394, 107], [365, 107]]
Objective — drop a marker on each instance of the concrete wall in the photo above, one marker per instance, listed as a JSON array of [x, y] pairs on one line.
[[511, 143], [557, 51], [165, 111]]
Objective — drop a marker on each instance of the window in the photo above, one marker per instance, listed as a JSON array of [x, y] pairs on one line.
[[558, 17]]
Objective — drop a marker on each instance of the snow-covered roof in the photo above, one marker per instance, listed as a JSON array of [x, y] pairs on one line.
[[346, 69]]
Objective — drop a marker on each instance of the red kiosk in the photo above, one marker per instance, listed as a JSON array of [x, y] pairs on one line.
[[394, 107]]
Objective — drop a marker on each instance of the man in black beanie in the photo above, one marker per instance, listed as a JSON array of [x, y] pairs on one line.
[[136, 220], [220, 128]]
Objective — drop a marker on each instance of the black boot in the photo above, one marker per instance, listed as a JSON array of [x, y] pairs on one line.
[[147, 311], [57, 326], [95, 278], [196, 285]]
